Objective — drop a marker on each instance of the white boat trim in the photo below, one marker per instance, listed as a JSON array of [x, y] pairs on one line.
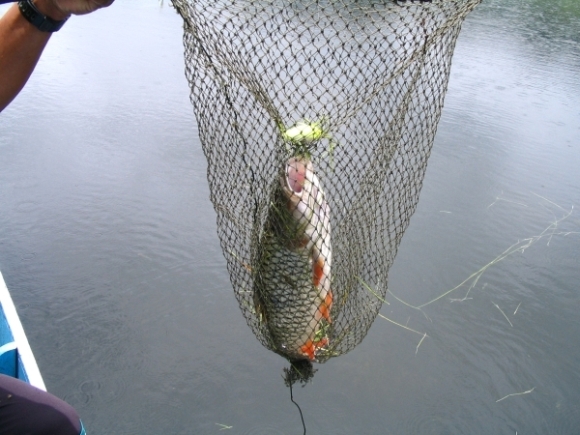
[[24, 350]]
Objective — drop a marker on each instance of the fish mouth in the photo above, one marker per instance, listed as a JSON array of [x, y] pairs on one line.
[[295, 175]]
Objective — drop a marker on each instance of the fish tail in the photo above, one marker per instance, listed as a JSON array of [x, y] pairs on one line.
[[310, 347]]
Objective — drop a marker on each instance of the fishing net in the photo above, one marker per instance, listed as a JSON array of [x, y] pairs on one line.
[[317, 119]]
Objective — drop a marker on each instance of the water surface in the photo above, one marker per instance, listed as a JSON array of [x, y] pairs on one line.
[[108, 244]]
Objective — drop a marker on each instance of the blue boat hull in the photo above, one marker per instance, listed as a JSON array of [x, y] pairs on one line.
[[16, 357]]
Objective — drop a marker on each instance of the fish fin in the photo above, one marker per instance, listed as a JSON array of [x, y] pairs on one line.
[[309, 349], [318, 271], [325, 307]]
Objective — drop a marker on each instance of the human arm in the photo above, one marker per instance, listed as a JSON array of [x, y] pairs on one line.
[[21, 44]]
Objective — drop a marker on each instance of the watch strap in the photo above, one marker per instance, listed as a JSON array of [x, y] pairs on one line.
[[38, 19]]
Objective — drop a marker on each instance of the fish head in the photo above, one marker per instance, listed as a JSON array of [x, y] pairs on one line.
[[297, 179]]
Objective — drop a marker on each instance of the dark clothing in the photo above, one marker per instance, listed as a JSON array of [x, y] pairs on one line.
[[27, 410]]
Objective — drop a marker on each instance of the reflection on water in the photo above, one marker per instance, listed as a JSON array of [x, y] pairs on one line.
[[108, 243]]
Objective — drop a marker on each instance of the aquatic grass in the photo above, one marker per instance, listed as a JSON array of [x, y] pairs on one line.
[[368, 287], [424, 334], [520, 246], [421, 341], [551, 202], [516, 394], [402, 326], [501, 311], [500, 198]]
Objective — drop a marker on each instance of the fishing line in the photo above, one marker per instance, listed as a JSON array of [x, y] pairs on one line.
[[299, 410]]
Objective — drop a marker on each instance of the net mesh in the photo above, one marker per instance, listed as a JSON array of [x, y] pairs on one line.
[[317, 119]]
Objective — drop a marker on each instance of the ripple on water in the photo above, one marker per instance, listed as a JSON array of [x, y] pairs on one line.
[[566, 417], [27, 207], [83, 393], [89, 388], [97, 391], [28, 256]]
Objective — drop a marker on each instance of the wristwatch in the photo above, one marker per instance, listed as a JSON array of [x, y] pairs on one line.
[[37, 19]]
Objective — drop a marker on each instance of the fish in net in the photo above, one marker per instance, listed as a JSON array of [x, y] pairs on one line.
[[317, 119]]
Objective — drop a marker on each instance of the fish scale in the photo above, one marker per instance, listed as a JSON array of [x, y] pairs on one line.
[[289, 301]]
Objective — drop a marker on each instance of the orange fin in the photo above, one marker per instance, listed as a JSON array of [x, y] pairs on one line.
[[318, 271], [325, 307], [309, 349]]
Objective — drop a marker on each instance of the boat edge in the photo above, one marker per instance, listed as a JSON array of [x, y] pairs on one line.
[[24, 350]]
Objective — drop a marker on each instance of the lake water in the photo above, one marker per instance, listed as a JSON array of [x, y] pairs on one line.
[[108, 244]]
